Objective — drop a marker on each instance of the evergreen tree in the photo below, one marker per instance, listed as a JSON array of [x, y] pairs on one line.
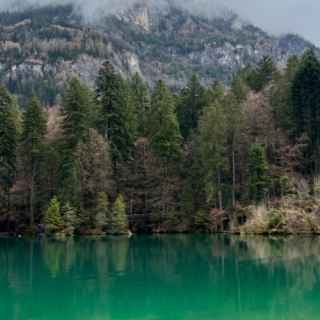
[[102, 212], [280, 97], [239, 88], [258, 173], [215, 93], [305, 95], [212, 141], [258, 77], [69, 216], [141, 105], [117, 118], [8, 145], [52, 217], [164, 132], [192, 101], [33, 136], [234, 124], [77, 102], [119, 220]]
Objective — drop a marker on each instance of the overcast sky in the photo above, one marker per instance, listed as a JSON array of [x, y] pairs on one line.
[[275, 16], [280, 16]]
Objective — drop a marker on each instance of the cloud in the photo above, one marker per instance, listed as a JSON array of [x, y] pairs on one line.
[[298, 16]]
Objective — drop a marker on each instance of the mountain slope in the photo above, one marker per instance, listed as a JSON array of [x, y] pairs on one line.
[[40, 48]]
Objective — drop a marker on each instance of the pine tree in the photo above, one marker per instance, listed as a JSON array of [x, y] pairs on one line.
[[234, 124], [164, 132], [192, 101], [305, 99], [102, 212], [52, 217], [280, 97], [259, 180], [8, 145], [33, 139], [141, 105], [258, 77], [239, 88], [70, 218], [212, 141], [119, 220], [116, 123], [77, 103]]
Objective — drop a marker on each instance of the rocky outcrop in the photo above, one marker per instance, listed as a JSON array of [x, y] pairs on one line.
[[52, 44]]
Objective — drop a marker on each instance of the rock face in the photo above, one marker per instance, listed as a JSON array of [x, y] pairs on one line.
[[41, 48]]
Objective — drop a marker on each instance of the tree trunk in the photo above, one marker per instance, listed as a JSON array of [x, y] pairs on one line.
[[31, 198], [233, 179], [219, 190]]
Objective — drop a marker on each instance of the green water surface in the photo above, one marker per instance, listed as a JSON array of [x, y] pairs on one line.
[[160, 277]]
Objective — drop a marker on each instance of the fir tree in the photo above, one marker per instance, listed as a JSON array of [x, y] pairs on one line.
[[212, 141], [119, 220], [259, 181], [52, 218], [164, 132], [141, 105], [102, 212], [116, 123], [8, 144], [191, 103], [305, 99], [70, 217], [258, 77], [77, 103], [33, 136]]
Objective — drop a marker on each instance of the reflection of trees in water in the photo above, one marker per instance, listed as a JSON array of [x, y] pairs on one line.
[[53, 256], [118, 249], [141, 269]]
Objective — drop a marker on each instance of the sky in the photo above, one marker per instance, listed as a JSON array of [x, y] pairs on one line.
[[282, 16], [275, 16]]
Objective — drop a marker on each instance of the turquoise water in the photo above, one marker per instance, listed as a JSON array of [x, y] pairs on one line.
[[165, 277]]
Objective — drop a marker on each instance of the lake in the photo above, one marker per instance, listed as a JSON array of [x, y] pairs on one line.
[[160, 277]]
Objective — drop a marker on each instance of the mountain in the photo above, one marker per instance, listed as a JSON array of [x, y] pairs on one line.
[[40, 48]]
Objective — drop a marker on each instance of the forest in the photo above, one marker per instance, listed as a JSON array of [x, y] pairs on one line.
[[123, 156]]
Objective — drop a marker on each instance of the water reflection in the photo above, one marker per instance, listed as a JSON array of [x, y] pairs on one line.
[[160, 277]]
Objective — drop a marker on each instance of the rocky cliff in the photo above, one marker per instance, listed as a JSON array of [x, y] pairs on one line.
[[40, 48]]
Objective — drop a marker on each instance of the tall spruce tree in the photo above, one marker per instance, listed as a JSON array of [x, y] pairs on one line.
[[259, 76], [192, 101], [77, 103], [164, 132], [8, 145], [211, 146], [259, 181], [33, 139], [305, 95], [141, 105], [118, 223], [116, 122]]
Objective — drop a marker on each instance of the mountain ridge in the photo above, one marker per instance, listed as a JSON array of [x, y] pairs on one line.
[[49, 45]]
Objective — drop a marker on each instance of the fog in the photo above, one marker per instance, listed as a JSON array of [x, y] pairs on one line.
[[297, 16]]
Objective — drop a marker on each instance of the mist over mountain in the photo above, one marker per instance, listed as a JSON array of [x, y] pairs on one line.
[[287, 16], [42, 46]]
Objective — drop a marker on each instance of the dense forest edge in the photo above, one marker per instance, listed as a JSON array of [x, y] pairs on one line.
[[124, 157]]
